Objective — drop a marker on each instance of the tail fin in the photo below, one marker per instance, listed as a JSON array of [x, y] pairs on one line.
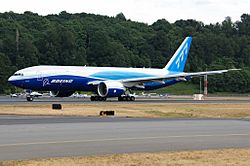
[[178, 61]]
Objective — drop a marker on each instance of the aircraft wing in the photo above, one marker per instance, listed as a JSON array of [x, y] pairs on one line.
[[179, 76]]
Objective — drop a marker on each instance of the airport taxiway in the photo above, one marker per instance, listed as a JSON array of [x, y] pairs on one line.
[[29, 137]]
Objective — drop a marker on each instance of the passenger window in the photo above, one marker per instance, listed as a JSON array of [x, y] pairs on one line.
[[18, 74]]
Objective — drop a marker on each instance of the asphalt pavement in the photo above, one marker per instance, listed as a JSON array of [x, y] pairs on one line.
[[32, 137]]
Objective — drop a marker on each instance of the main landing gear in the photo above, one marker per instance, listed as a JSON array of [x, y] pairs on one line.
[[120, 98], [126, 98], [98, 98]]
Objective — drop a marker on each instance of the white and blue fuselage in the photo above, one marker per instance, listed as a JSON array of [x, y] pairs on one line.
[[106, 81], [78, 78]]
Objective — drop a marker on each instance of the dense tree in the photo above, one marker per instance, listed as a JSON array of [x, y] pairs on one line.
[[121, 17], [244, 25], [86, 39]]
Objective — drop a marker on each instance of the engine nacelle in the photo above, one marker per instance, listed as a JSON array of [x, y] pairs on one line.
[[61, 93], [110, 89]]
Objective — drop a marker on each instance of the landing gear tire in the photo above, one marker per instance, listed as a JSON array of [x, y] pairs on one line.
[[126, 98], [120, 98], [29, 98], [132, 98], [98, 98]]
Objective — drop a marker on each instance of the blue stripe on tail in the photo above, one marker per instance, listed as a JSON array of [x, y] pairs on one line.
[[178, 61]]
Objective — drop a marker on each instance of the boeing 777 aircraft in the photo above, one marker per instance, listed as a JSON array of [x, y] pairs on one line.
[[106, 82]]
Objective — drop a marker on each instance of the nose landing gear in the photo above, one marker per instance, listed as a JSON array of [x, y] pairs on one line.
[[29, 98]]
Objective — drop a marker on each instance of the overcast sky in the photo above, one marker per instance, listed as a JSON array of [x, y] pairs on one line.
[[147, 11]]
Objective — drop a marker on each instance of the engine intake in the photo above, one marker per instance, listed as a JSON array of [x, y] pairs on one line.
[[110, 89]]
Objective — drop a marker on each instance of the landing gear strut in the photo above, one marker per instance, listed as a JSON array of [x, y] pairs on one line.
[[98, 98]]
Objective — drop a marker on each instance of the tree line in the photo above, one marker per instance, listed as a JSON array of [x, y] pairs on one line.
[[86, 39]]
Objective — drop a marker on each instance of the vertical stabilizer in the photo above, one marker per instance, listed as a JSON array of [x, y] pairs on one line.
[[178, 61]]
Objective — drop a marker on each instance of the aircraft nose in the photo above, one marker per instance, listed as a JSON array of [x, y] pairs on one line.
[[11, 79], [16, 81]]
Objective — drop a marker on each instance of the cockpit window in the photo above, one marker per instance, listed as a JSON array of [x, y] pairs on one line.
[[18, 74]]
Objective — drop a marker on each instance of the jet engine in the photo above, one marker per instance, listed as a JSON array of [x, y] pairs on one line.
[[61, 93], [110, 89]]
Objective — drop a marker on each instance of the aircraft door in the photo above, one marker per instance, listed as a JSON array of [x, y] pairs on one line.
[[39, 76]]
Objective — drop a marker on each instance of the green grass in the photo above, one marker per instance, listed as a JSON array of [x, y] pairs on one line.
[[183, 88], [234, 94]]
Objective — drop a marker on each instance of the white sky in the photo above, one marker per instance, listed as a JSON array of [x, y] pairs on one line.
[[147, 11]]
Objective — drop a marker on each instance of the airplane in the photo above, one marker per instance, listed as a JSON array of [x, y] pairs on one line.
[[106, 82]]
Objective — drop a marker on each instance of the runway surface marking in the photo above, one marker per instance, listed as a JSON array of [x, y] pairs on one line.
[[122, 139]]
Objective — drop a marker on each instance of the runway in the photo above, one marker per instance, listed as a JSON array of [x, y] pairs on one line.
[[6, 100], [29, 137]]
